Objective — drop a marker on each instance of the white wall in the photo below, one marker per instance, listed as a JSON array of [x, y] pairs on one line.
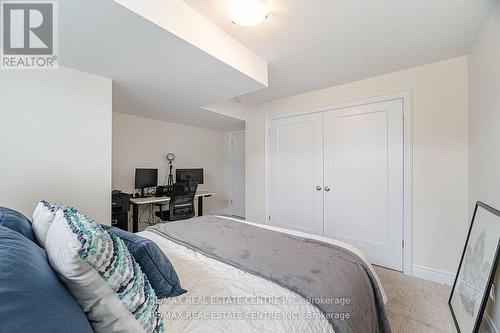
[[144, 143], [484, 124], [55, 140], [180, 19], [439, 152]]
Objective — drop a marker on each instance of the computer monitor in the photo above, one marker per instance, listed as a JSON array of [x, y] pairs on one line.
[[185, 175], [146, 178]]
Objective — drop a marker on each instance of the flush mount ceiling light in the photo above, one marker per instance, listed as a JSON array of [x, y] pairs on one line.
[[247, 13]]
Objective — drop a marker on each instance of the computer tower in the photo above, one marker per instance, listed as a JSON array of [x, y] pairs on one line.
[[120, 205], [120, 220]]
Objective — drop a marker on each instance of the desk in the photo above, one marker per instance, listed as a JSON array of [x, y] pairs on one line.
[[136, 202]]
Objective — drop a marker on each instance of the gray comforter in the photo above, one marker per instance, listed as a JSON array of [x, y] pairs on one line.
[[332, 278]]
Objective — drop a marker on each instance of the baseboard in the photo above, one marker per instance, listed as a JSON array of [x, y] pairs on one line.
[[490, 323], [447, 278], [433, 275]]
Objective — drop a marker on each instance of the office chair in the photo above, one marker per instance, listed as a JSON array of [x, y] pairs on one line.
[[181, 205]]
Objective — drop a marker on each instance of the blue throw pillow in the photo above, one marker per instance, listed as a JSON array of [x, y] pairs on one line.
[[159, 270], [32, 298], [18, 222]]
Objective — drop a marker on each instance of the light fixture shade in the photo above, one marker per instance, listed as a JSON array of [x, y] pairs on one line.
[[248, 13]]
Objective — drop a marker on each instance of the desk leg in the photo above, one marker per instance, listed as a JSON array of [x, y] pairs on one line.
[[135, 218], [200, 206]]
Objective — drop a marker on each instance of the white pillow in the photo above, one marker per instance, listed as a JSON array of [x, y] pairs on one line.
[[42, 219], [102, 276]]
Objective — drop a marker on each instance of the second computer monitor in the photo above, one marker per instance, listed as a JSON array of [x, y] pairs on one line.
[[192, 175]]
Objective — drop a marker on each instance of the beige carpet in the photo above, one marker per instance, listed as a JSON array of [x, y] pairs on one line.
[[416, 305]]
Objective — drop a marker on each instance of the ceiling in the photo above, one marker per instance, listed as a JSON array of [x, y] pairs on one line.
[[316, 44], [155, 73], [183, 61]]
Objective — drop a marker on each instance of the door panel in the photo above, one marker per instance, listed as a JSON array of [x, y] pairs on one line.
[[296, 170], [364, 171], [237, 170]]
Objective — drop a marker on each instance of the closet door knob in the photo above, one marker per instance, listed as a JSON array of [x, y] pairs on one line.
[[318, 188], [327, 188]]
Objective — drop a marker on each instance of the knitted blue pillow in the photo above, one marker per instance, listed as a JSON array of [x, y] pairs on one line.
[[154, 263]]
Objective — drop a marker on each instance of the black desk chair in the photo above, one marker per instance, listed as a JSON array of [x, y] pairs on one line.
[[181, 205]]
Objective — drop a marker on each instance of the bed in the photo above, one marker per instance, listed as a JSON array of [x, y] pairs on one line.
[[234, 287]]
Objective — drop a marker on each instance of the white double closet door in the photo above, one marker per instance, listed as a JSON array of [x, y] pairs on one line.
[[339, 174]]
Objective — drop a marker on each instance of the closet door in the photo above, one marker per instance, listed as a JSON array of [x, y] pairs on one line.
[[364, 180], [296, 173]]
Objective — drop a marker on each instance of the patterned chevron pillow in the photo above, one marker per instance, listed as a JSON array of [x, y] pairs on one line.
[[101, 275]]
